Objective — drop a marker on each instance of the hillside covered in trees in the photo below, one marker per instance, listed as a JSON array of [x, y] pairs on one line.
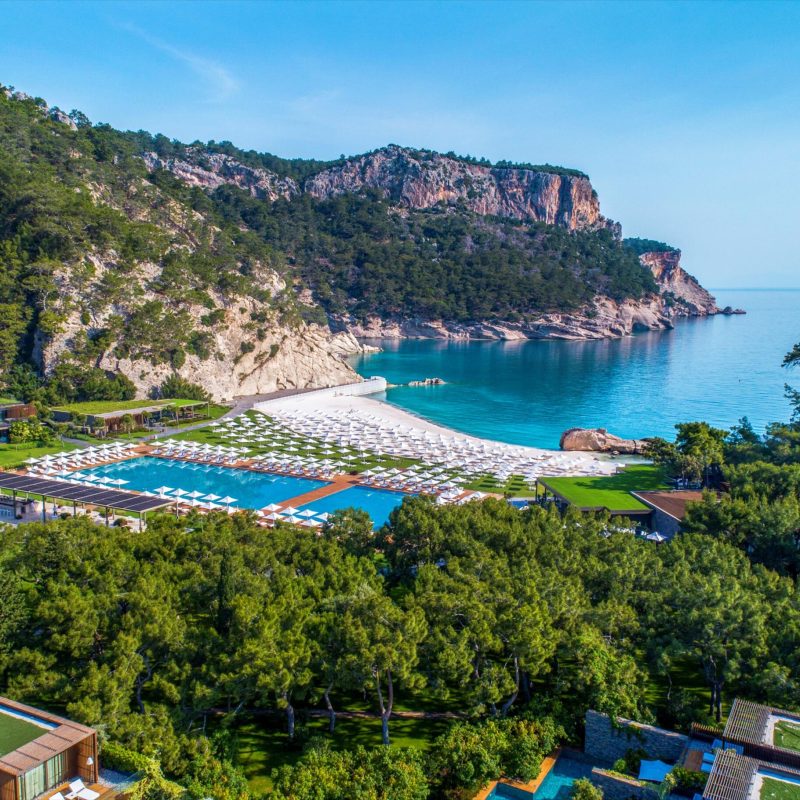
[[125, 253]]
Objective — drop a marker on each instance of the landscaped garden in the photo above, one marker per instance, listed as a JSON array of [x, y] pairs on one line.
[[787, 734], [774, 789]]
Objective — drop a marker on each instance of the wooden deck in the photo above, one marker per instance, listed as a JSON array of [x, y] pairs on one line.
[[693, 760], [530, 786], [105, 792], [338, 484]]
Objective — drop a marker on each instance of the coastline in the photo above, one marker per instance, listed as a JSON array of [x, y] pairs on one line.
[[371, 410]]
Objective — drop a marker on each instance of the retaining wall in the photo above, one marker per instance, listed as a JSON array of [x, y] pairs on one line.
[[617, 787], [605, 742]]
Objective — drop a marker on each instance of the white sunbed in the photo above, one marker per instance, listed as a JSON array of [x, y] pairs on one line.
[[77, 789]]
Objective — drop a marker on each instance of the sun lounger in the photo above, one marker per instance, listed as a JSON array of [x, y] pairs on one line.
[[77, 789]]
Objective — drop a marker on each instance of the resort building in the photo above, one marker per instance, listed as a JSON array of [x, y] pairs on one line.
[[41, 753], [668, 508], [12, 412]]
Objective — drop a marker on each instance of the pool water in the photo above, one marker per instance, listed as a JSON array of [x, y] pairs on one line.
[[556, 786], [378, 503], [558, 783], [251, 489]]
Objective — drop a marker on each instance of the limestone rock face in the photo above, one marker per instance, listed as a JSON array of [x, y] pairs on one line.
[[602, 319], [599, 440], [210, 170], [421, 180], [672, 278], [297, 356]]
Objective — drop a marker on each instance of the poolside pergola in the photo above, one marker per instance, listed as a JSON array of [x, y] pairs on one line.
[[747, 722], [114, 499], [731, 777]]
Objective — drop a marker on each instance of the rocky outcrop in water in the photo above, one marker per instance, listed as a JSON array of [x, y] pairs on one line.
[[692, 299], [599, 440]]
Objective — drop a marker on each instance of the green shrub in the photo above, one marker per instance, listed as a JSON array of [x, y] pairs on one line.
[[120, 758], [584, 789], [688, 781]]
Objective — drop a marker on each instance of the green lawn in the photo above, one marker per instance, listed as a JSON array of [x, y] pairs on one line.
[[106, 406], [787, 734], [262, 743], [14, 455], [773, 789], [16, 732], [610, 491]]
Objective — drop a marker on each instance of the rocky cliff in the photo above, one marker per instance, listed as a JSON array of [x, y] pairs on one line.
[[197, 167], [672, 279], [423, 179]]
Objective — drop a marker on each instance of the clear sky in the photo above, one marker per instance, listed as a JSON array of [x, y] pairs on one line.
[[685, 115]]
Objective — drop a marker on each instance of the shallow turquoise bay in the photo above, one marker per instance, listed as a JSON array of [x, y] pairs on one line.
[[717, 370]]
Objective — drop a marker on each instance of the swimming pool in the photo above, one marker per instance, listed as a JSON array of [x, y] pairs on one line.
[[251, 489], [378, 503], [556, 786]]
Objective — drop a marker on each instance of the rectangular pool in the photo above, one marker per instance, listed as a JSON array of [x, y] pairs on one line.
[[378, 503], [251, 489], [556, 786]]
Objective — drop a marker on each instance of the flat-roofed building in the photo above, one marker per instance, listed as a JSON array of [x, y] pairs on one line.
[[40, 752]]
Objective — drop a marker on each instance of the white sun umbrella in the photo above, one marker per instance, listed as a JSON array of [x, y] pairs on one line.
[[307, 513], [118, 482], [162, 490], [289, 511], [273, 516], [179, 493], [324, 516], [211, 498], [227, 500], [273, 507], [194, 495], [292, 519], [104, 479]]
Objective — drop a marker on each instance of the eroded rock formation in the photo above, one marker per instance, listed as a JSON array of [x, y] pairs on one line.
[[599, 440]]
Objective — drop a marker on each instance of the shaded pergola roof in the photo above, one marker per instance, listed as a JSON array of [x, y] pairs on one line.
[[730, 777], [747, 722], [63, 490], [671, 503]]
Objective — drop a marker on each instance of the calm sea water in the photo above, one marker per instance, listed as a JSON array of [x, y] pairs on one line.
[[717, 370]]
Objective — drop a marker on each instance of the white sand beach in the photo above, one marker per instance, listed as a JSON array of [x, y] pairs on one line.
[[367, 416]]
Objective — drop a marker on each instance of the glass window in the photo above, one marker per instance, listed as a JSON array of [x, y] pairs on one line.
[[32, 783], [56, 769]]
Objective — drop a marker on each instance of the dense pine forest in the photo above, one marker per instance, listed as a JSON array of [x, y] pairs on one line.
[[502, 626]]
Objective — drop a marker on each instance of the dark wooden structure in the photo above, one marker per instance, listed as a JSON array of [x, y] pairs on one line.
[[65, 751]]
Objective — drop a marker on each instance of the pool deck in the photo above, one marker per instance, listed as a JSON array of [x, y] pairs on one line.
[[531, 786], [336, 485]]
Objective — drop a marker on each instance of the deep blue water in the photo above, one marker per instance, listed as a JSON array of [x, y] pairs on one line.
[[717, 370], [250, 489], [378, 503]]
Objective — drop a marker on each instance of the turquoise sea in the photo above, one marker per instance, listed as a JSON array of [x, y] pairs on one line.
[[717, 370]]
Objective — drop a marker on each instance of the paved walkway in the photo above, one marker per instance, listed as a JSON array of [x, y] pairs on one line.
[[338, 484]]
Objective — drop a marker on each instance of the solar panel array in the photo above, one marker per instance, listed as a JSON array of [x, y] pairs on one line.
[[63, 490]]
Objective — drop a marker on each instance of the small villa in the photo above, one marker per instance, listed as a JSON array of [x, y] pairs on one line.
[[45, 756], [13, 412]]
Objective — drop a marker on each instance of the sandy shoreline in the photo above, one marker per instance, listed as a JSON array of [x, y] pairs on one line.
[[370, 410]]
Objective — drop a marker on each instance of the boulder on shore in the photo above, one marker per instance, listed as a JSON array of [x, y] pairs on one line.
[[599, 440]]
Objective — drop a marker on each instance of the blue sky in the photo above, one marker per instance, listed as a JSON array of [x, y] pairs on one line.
[[685, 115]]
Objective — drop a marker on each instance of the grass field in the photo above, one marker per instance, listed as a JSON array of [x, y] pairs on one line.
[[16, 732], [787, 735], [262, 743], [107, 406], [773, 789], [610, 491], [14, 455]]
